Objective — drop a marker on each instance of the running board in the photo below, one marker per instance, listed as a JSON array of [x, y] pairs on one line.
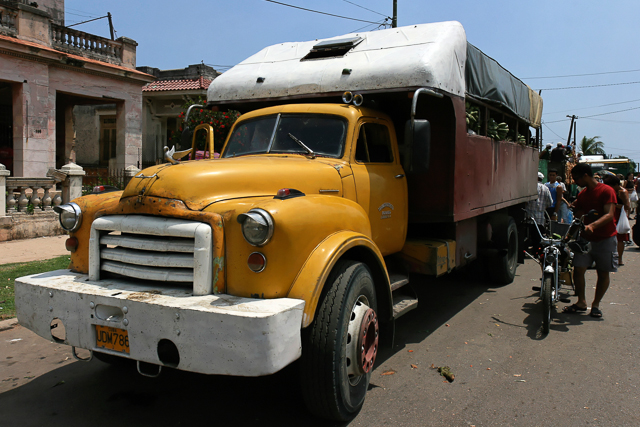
[[398, 281], [402, 304]]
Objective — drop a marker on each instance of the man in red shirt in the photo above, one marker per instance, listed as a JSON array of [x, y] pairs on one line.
[[600, 232]]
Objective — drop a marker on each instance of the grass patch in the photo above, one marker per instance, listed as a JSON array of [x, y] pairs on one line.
[[9, 273]]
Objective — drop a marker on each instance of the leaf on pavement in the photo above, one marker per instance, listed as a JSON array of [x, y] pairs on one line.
[[389, 372], [414, 366]]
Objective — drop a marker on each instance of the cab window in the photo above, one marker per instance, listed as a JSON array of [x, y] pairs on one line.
[[374, 144]]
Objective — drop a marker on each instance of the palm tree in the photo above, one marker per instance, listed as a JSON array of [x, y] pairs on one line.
[[591, 146]]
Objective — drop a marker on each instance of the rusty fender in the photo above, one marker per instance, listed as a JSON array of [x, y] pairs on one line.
[[310, 281]]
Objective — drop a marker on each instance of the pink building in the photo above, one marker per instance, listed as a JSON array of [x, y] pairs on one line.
[[46, 70]]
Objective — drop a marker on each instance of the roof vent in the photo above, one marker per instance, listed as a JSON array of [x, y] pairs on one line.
[[333, 48]]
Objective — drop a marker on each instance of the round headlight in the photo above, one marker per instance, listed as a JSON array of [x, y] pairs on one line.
[[257, 226], [70, 216]]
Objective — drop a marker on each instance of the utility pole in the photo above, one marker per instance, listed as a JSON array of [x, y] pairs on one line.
[[110, 25], [572, 128], [394, 20]]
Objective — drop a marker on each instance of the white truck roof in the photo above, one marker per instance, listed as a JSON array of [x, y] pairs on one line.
[[432, 55], [418, 55]]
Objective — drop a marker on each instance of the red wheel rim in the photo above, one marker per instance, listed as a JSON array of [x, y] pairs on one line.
[[368, 341]]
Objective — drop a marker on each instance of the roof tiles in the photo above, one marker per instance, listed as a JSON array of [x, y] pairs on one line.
[[177, 84]]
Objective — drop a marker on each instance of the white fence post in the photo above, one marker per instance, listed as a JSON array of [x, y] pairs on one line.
[[72, 186], [4, 173], [129, 172]]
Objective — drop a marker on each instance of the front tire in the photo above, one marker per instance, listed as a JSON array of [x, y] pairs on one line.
[[340, 346], [547, 284]]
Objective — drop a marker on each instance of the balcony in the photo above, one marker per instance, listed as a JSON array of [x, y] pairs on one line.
[[25, 21], [85, 44]]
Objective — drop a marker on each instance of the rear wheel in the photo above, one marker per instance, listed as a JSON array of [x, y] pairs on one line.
[[546, 296], [502, 266], [340, 346]]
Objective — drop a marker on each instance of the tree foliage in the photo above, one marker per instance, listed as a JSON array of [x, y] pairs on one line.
[[221, 122], [632, 164], [592, 146]]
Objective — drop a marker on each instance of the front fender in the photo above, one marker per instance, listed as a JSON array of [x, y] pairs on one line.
[[310, 281]]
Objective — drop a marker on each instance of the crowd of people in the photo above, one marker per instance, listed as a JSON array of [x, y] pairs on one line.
[[611, 196]]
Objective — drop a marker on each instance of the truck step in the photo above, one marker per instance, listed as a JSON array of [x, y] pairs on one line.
[[398, 281], [402, 304]]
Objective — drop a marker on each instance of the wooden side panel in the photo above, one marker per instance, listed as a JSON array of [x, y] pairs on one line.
[[429, 256]]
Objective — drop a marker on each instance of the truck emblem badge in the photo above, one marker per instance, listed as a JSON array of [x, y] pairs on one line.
[[385, 209]]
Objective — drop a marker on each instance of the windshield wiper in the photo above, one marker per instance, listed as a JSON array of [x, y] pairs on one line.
[[301, 144]]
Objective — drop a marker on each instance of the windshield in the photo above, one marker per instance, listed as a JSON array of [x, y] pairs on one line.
[[323, 134]]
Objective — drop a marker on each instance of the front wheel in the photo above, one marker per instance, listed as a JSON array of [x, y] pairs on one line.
[[340, 346], [546, 296]]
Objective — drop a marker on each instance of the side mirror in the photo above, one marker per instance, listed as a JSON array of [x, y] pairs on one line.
[[418, 139]]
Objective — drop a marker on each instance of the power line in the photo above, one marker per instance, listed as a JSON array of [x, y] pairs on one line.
[[322, 13], [597, 115], [362, 7], [381, 23], [580, 75], [545, 123], [596, 106], [610, 112], [614, 121], [582, 87], [77, 14]]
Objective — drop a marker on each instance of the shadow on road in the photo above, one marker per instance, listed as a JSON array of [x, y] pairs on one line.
[[439, 300], [102, 395], [98, 394]]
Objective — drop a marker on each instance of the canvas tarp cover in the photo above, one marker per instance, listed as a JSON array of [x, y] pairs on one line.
[[487, 80]]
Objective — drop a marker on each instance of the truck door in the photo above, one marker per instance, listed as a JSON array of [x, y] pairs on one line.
[[381, 185]]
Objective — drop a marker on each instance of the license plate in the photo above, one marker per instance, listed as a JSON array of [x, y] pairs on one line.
[[112, 338]]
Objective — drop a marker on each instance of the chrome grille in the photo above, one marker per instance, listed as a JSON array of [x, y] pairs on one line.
[[153, 248]]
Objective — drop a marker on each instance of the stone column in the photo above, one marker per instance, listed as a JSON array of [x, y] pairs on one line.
[[72, 186], [130, 172], [4, 173]]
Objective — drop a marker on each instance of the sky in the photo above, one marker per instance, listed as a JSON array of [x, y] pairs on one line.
[[549, 44]]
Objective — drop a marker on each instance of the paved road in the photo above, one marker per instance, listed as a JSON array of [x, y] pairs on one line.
[[585, 372]]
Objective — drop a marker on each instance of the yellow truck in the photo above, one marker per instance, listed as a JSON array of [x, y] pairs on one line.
[[355, 163]]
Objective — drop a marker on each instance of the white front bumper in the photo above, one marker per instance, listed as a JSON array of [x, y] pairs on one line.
[[214, 334]]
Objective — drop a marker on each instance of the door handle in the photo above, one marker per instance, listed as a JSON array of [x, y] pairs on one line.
[[400, 175]]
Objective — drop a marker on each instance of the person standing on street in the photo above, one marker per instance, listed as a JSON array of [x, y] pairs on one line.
[[557, 159], [622, 201], [536, 209], [600, 232], [556, 194], [630, 186]]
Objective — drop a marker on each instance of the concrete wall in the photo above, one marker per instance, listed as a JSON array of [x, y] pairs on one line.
[[33, 116], [35, 86]]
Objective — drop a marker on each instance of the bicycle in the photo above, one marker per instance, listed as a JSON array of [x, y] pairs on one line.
[[554, 254]]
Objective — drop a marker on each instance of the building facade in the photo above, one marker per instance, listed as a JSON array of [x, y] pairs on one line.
[[46, 70]]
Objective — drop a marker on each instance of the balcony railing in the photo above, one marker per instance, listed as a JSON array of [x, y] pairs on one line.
[[8, 19], [31, 194], [75, 41]]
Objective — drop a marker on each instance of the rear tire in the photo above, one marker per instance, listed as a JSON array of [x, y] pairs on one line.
[[332, 386], [502, 267], [547, 285]]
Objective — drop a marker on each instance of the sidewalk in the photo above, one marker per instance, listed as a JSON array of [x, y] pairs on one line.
[[32, 249]]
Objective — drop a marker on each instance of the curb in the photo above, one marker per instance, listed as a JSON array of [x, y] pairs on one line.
[[5, 325]]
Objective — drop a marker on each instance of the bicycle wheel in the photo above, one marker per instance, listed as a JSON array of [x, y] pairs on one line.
[[547, 286]]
